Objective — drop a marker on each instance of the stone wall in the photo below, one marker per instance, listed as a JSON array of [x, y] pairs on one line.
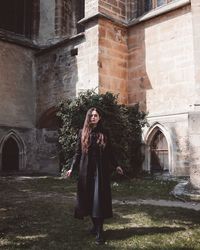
[[175, 129], [27, 144], [195, 8], [46, 22], [194, 134], [17, 86], [47, 151], [113, 59], [154, 62], [63, 74], [58, 19], [194, 128], [38, 149], [161, 58], [56, 78], [138, 81], [161, 78], [87, 59], [91, 8], [64, 15]]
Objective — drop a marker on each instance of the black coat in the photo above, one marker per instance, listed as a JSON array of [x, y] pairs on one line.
[[95, 168]]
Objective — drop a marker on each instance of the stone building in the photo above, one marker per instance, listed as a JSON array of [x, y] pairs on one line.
[[148, 51]]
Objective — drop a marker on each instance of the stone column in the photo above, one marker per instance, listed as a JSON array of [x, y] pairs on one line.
[[195, 6], [194, 138], [47, 22], [91, 8], [195, 119]]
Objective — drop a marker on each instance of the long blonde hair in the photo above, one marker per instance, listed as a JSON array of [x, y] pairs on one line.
[[87, 128]]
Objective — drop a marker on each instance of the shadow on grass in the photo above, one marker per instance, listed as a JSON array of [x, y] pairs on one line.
[[37, 214], [182, 216], [168, 247], [121, 234]]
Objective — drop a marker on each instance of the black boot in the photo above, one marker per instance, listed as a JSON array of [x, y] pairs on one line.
[[93, 229], [99, 237]]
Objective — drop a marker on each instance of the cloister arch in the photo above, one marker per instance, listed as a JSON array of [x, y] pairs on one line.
[[48, 119], [12, 151], [158, 149]]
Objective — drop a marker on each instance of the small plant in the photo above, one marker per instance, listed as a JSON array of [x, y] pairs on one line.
[[123, 123]]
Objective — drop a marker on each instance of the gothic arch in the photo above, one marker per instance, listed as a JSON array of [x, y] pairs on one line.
[[48, 119], [12, 134], [148, 138]]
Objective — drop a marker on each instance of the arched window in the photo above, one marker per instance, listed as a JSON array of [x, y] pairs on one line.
[[159, 153], [16, 16], [147, 5], [10, 156]]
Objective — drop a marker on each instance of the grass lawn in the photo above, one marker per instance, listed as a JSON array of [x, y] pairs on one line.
[[37, 214]]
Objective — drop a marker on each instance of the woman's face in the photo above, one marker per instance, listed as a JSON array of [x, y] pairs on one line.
[[94, 119]]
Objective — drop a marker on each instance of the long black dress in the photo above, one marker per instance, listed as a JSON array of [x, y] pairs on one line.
[[95, 167]]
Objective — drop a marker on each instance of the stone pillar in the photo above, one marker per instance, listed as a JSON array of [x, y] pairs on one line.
[[195, 5], [194, 135], [195, 119], [91, 8], [47, 22], [113, 59]]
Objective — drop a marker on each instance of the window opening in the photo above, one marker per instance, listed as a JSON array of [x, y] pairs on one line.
[[15, 16], [80, 12], [147, 5]]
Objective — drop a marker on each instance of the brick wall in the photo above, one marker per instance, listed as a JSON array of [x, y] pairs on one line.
[[113, 59], [113, 8]]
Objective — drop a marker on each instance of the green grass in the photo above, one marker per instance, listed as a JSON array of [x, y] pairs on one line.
[[144, 189], [37, 214]]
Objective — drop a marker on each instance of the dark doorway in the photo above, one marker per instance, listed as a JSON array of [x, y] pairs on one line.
[[10, 156], [159, 153]]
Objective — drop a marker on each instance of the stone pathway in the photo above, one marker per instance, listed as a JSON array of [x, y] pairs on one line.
[[163, 203]]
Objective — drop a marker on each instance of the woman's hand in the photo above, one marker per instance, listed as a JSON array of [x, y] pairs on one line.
[[119, 170], [68, 173]]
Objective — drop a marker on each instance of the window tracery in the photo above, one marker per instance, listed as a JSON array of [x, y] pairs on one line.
[[147, 5]]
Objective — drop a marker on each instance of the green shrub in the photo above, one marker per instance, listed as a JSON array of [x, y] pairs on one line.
[[123, 123]]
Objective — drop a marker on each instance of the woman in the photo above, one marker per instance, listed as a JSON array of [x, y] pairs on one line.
[[94, 157]]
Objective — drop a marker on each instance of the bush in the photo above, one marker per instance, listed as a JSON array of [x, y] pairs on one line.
[[123, 123]]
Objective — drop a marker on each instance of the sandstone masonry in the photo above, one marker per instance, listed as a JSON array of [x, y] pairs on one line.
[[150, 57]]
